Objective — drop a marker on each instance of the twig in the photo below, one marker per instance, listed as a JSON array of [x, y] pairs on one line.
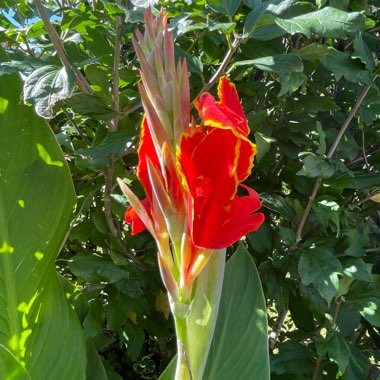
[[332, 150], [113, 227], [68, 232], [28, 48], [80, 79], [273, 336], [307, 210], [369, 250], [107, 197], [316, 368], [337, 309], [226, 60], [352, 114], [364, 153], [134, 108], [352, 206], [370, 151], [115, 76]]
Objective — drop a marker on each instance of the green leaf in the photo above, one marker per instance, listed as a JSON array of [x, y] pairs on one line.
[[357, 243], [326, 22], [194, 63], [281, 64], [356, 268], [316, 166], [95, 105], [97, 157], [273, 7], [314, 52], [263, 144], [337, 350], [362, 51], [242, 296], [266, 29], [365, 297], [46, 86], [226, 7], [289, 357], [318, 266], [342, 65], [95, 368], [94, 268], [10, 367], [37, 200], [291, 82]]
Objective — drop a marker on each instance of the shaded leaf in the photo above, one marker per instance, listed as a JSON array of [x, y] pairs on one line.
[[97, 157], [93, 105], [342, 65], [337, 350], [318, 266]]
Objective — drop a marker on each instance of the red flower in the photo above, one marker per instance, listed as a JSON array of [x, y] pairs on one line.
[[213, 164]]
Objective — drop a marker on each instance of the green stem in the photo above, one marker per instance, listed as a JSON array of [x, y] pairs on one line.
[[183, 367], [195, 321]]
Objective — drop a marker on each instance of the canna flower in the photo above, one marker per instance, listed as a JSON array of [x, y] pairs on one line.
[[191, 174]]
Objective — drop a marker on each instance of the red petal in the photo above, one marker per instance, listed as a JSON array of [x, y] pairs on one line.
[[229, 97], [146, 150], [213, 164], [228, 113], [226, 225], [131, 217]]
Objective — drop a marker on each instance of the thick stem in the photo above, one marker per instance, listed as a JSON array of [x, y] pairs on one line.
[[195, 321], [183, 367]]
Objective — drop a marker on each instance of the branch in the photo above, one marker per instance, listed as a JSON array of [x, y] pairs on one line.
[[80, 79], [316, 368], [226, 60], [354, 110], [352, 206], [273, 336], [332, 150], [115, 76]]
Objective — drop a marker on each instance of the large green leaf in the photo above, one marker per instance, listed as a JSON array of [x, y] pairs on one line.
[[327, 22], [239, 349], [10, 367], [37, 199]]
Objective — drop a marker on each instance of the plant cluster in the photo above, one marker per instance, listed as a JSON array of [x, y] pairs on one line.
[[307, 76]]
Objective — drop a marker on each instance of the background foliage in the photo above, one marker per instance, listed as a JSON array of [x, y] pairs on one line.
[[307, 75]]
